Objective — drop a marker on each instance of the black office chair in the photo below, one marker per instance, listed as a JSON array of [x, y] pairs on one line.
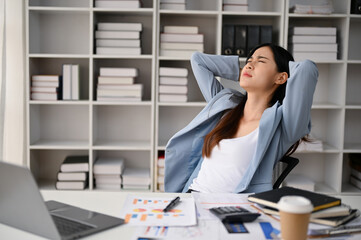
[[282, 169]]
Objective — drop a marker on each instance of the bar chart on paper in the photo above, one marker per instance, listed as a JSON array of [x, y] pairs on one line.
[[140, 211]]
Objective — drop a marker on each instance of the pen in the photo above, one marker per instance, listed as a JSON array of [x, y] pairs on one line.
[[171, 204]]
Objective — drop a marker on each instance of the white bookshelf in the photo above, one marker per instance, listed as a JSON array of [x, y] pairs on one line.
[[61, 32]]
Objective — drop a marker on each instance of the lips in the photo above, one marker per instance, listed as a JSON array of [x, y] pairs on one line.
[[247, 75]]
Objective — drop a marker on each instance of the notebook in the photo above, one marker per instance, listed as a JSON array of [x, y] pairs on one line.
[[22, 207], [271, 198]]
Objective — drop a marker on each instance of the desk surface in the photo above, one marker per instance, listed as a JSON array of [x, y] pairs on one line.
[[111, 203]]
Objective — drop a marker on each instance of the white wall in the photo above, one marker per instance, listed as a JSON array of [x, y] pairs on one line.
[[14, 137]]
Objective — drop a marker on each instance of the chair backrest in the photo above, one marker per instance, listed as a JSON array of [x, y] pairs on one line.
[[290, 163]]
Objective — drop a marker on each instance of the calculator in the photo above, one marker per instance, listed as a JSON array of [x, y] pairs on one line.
[[234, 214]]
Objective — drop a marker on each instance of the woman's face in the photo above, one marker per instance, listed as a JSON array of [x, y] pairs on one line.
[[260, 72]]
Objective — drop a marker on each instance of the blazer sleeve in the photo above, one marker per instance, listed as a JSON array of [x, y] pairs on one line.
[[296, 120], [206, 67]]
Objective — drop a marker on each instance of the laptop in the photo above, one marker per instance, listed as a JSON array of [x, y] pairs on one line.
[[22, 207]]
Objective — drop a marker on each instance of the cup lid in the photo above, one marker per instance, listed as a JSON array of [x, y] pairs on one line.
[[295, 204]]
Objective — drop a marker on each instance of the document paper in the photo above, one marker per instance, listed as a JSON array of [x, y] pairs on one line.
[[146, 211]]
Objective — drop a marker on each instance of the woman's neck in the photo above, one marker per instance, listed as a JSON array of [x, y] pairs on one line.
[[254, 107]]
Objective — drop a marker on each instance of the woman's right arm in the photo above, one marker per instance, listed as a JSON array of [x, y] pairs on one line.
[[206, 67]]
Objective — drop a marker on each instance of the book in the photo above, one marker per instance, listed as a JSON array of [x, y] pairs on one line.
[[117, 42], [313, 47], [108, 181], [315, 56], [176, 53], [118, 72], [337, 221], [181, 29], [118, 99], [103, 80], [228, 39], [119, 50], [235, 7], [160, 179], [336, 211], [44, 84], [252, 37], [312, 31], [107, 186], [135, 187], [136, 176], [72, 176], [75, 82], [107, 176], [173, 81], [235, 1], [265, 34], [240, 40], [179, 37], [117, 4], [46, 78], [169, 89], [161, 171], [67, 74], [312, 39], [44, 96], [137, 86], [172, 1], [314, 145], [271, 198], [173, 98], [44, 89], [173, 72], [70, 185], [109, 26], [108, 166], [173, 6], [356, 174], [119, 93], [75, 164], [117, 35], [355, 181], [182, 46]]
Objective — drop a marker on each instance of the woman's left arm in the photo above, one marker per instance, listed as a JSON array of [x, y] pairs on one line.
[[297, 103]]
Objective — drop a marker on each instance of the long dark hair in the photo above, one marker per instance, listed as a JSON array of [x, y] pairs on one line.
[[228, 125]]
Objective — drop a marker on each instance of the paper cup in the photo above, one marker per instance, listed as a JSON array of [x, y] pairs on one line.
[[295, 214]]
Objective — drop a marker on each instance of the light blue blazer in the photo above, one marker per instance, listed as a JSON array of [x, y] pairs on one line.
[[279, 128]]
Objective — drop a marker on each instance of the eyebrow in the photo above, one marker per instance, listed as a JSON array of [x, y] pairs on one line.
[[259, 57]]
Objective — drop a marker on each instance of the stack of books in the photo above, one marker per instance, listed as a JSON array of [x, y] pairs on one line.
[[315, 43], [73, 173], [108, 173], [173, 84], [118, 38], [173, 4], [327, 210], [117, 84], [180, 41], [136, 178], [46, 87], [160, 165], [355, 164], [235, 5], [314, 7], [70, 82], [118, 4]]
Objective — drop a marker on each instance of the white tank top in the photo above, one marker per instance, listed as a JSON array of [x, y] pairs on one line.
[[222, 172]]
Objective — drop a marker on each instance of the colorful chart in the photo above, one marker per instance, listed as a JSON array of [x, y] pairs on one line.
[[149, 212]]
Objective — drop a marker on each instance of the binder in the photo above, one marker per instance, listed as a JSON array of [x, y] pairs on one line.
[[252, 37], [228, 39], [265, 34], [240, 41]]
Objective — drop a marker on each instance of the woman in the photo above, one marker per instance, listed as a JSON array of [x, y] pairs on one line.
[[233, 144]]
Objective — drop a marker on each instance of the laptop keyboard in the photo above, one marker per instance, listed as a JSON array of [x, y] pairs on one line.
[[68, 227]]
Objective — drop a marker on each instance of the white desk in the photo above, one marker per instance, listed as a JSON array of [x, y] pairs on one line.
[[110, 203]]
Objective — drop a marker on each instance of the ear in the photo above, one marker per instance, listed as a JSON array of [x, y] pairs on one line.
[[281, 78]]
